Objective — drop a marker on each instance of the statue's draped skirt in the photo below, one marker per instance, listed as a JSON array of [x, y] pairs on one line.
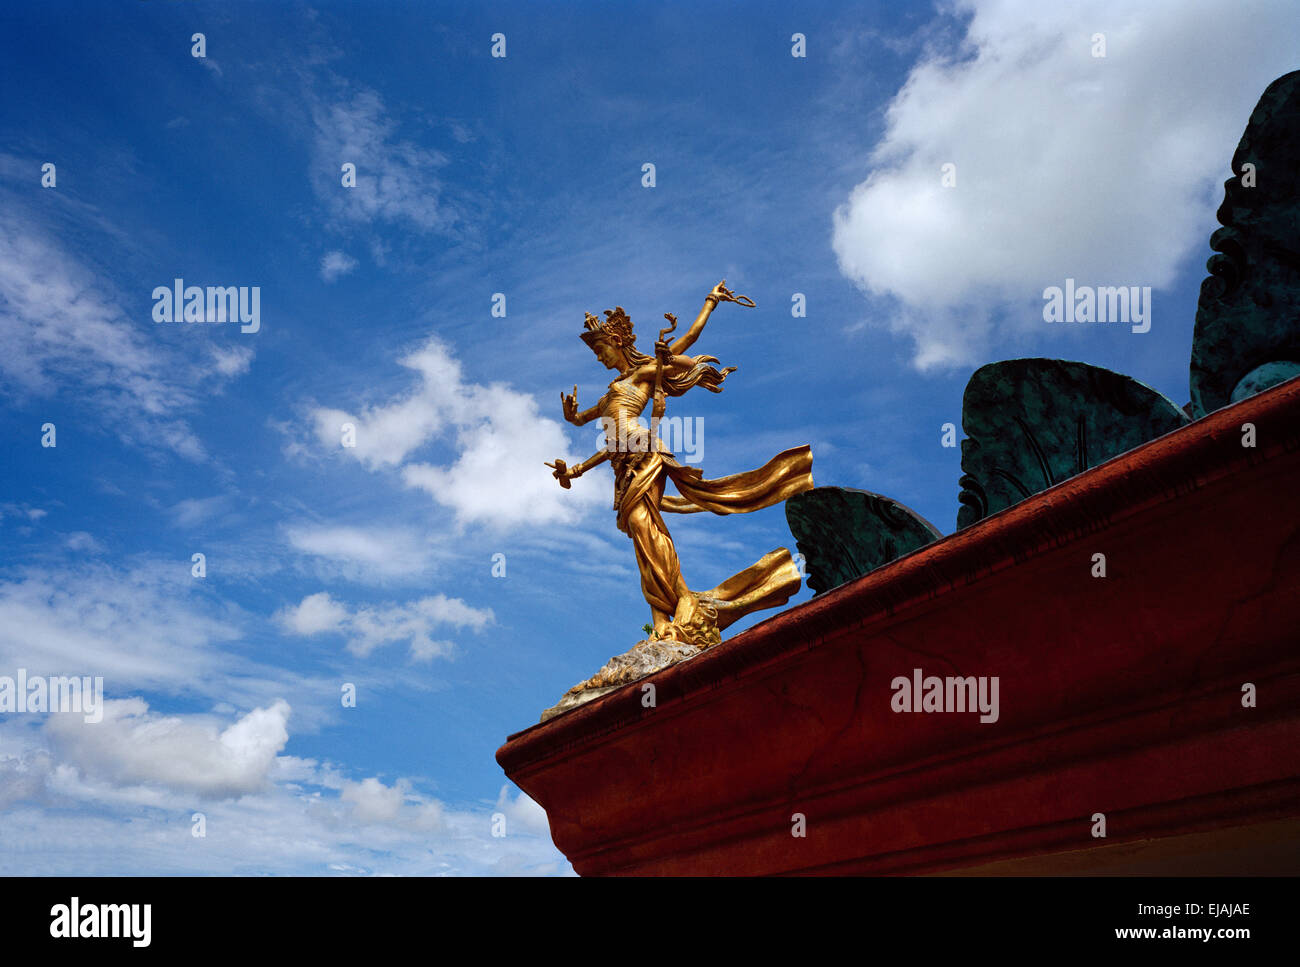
[[640, 501]]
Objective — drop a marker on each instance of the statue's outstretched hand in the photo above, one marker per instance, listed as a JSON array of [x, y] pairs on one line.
[[721, 293], [570, 404], [561, 472]]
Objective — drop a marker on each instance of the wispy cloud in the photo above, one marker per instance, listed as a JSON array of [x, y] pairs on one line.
[[335, 265], [397, 180], [361, 553], [65, 334], [145, 628]]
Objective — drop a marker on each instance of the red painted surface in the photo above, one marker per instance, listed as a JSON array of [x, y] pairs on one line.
[[1119, 695]]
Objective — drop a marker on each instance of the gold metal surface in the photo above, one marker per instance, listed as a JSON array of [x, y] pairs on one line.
[[643, 466]]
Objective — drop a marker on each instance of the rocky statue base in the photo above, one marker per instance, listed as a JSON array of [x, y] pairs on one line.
[[642, 659], [695, 627]]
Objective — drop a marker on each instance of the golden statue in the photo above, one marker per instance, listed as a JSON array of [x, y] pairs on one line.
[[643, 465]]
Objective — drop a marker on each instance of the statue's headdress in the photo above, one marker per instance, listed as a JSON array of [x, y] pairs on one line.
[[616, 324]]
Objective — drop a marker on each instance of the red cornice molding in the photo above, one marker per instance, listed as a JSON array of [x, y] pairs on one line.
[[1202, 537]]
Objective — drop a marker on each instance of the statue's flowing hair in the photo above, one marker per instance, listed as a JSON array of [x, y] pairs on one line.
[[700, 374]]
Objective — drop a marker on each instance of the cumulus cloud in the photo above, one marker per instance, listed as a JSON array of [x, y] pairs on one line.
[[522, 813], [500, 440], [373, 802], [132, 746], [314, 614], [101, 829], [132, 813], [335, 265], [1106, 170], [370, 627]]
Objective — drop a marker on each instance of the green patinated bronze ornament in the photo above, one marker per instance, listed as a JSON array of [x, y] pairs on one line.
[[844, 533], [1031, 423]]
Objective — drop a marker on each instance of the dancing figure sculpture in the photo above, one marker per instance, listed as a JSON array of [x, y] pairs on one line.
[[643, 466]]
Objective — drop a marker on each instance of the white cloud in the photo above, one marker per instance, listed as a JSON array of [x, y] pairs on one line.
[[370, 627], [231, 360], [362, 553], [23, 777], [193, 511], [137, 629], [396, 180], [102, 830], [131, 746], [396, 805], [315, 613], [1106, 170], [501, 443], [62, 327], [88, 805], [82, 542], [522, 813], [147, 628], [336, 264], [22, 512]]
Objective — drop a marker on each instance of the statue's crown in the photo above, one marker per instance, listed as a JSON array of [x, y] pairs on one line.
[[616, 324]]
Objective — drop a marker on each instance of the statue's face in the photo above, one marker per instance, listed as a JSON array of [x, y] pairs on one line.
[[608, 352]]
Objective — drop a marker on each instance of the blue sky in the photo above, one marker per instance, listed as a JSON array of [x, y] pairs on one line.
[[519, 175]]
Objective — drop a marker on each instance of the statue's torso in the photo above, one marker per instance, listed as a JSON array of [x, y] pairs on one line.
[[630, 442]]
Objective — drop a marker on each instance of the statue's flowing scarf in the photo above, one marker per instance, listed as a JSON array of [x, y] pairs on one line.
[[640, 485]]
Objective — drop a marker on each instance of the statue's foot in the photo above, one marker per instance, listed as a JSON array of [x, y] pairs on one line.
[[696, 621]]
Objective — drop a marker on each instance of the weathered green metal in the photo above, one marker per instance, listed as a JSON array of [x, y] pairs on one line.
[[844, 533], [1247, 335], [1031, 423]]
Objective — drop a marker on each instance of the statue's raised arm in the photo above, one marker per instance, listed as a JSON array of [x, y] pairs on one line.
[[719, 294]]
